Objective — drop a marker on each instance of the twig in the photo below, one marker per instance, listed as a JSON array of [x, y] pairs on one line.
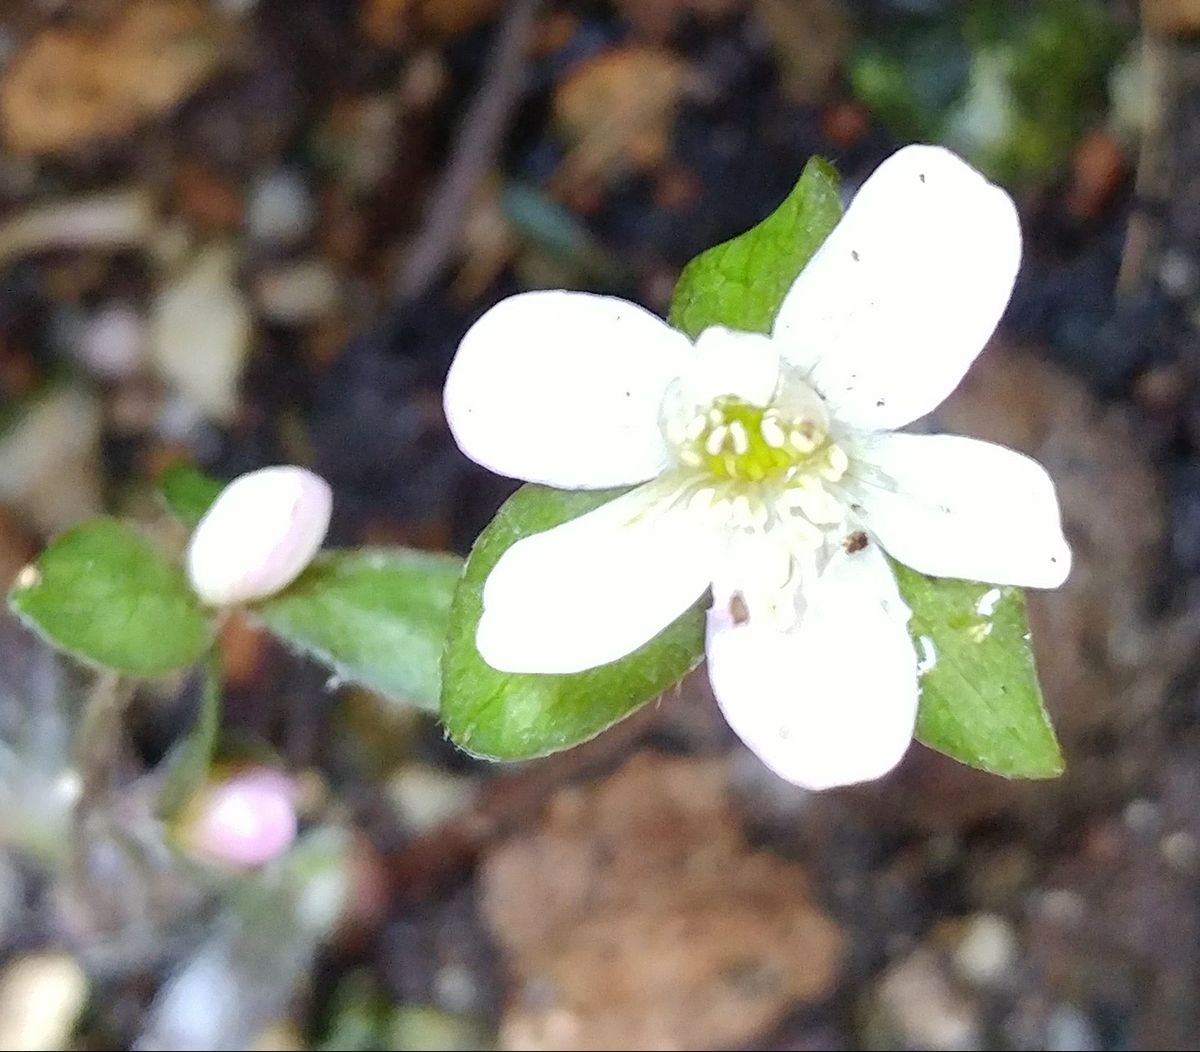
[[478, 140]]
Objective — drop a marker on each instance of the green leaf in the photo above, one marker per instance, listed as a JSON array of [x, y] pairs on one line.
[[980, 699], [189, 762], [375, 616], [106, 595], [189, 492], [741, 283], [506, 716]]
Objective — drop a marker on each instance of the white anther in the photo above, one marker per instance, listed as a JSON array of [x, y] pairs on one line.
[[772, 432], [801, 442], [691, 458], [716, 440], [716, 416], [696, 427], [836, 464], [741, 441]]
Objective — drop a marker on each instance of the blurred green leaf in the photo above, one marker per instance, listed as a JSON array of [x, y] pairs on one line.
[[376, 616], [189, 492], [508, 716], [104, 594], [980, 699]]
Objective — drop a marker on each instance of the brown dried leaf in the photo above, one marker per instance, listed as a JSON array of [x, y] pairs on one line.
[[387, 23], [617, 109], [71, 86]]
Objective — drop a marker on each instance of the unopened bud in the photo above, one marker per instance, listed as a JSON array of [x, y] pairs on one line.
[[258, 536], [246, 820]]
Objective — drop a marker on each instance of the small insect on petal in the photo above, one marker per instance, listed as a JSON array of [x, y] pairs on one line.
[[259, 535]]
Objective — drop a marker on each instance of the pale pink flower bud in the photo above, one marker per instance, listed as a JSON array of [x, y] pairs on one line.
[[244, 821], [258, 536]]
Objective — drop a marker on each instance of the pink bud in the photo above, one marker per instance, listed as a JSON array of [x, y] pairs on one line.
[[246, 820], [258, 536]]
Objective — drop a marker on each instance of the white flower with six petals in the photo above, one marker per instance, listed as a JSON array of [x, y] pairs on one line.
[[768, 469]]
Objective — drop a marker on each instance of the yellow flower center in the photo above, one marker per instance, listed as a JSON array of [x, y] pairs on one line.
[[735, 441]]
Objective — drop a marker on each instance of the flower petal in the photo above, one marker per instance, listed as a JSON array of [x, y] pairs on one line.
[[833, 701], [593, 589], [564, 388], [903, 295], [260, 533], [958, 507], [742, 364]]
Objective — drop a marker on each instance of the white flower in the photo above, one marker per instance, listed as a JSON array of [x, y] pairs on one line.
[[770, 471], [260, 533]]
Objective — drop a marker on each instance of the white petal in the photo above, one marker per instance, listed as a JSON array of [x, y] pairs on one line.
[[901, 298], [834, 701], [565, 388], [742, 364], [958, 507], [263, 529], [593, 589]]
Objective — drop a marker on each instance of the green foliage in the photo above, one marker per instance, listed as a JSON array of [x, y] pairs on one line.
[[508, 716], [375, 616], [106, 595], [980, 699]]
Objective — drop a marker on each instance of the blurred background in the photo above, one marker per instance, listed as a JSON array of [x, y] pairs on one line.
[[240, 233]]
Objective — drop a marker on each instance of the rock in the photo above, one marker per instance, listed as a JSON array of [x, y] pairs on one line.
[[917, 1006], [298, 293], [41, 996], [49, 460], [425, 797], [987, 950], [112, 342], [637, 916], [200, 330], [280, 212], [1069, 1030]]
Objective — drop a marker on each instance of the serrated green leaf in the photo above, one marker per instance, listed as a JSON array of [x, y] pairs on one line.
[[980, 699], [376, 616], [741, 283], [107, 596], [506, 716], [189, 761], [189, 492]]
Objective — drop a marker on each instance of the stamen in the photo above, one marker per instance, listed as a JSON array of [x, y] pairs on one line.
[[772, 433], [716, 440], [697, 427], [836, 464], [741, 441], [801, 442]]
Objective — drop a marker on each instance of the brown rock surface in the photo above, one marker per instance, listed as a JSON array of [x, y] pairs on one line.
[[637, 916]]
